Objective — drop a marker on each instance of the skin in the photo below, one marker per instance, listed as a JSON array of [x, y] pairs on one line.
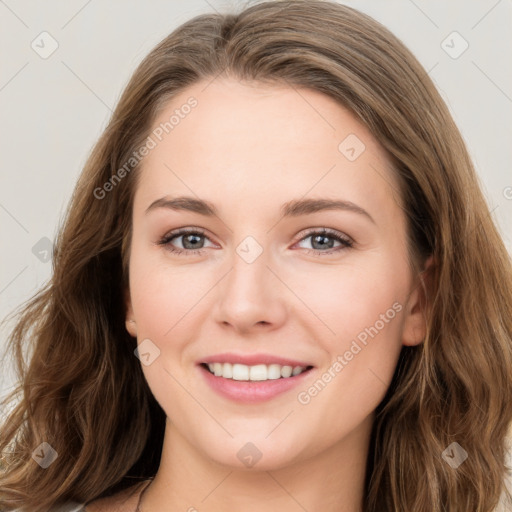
[[249, 148]]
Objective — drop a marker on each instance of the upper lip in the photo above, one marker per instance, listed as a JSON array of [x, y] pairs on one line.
[[252, 360]]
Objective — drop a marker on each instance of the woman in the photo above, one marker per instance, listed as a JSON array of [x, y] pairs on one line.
[[278, 287]]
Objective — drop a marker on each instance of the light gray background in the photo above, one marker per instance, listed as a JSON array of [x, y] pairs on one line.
[[54, 109]]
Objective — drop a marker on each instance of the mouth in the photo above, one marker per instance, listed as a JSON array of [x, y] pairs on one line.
[[253, 379], [258, 372]]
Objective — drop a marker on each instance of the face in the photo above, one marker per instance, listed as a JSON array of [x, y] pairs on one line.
[[289, 256]]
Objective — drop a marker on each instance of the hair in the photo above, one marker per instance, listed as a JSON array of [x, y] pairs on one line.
[[83, 391]]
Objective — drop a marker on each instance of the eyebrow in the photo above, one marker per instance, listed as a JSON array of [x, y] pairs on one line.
[[294, 208]]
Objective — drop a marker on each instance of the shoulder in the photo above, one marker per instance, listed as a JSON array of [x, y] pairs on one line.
[[124, 501]]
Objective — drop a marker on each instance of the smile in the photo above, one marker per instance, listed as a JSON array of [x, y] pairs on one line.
[[259, 372], [252, 379]]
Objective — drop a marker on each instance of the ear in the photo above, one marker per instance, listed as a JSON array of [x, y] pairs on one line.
[[415, 324], [131, 325]]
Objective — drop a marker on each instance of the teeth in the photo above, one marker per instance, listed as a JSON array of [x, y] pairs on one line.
[[286, 371], [296, 370], [227, 370], [240, 372], [258, 372], [274, 371]]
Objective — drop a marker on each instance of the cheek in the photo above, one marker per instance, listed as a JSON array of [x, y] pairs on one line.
[[350, 298], [370, 306], [362, 308], [365, 308], [163, 295], [166, 301]]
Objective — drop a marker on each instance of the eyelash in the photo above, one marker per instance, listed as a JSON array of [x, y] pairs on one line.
[[346, 243]]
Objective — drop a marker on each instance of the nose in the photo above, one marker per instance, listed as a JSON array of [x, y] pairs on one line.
[[250, 297]]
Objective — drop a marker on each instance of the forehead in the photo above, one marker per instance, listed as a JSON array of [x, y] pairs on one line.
[[255, 138]]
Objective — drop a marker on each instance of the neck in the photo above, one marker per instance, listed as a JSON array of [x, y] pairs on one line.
[[331, 481]]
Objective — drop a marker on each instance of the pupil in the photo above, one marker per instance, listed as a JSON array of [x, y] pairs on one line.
[[186, 241], [318, 238]]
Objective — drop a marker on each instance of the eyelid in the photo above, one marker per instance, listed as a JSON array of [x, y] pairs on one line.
[[324, 231], [176, 233], [184, 231]]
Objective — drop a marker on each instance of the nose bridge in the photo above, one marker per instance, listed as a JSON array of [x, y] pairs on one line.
[[250, 293], [249, 275]]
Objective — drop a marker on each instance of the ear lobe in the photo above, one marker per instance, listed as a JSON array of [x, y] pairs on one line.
[[130, 324], [131, 327], [415, 323]]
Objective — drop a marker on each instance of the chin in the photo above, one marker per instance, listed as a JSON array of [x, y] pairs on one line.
[[255, 452]]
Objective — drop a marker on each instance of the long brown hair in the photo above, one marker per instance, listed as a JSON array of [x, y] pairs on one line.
[[83, 391]]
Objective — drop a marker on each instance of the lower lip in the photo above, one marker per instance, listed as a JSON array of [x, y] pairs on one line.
[[251, 391]]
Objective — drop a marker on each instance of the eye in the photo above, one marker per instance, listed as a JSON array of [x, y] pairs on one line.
[[323, 241], [192, 240]]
